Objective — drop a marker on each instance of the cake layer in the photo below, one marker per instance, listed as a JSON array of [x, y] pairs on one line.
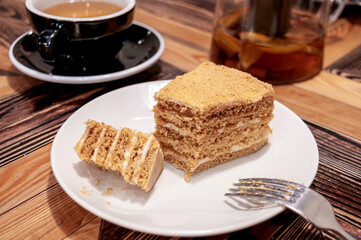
[[86, 145], [135, 155], [241, 109], [225, 123], [202, 132], [190, 166], [190, 146], [196, 153]]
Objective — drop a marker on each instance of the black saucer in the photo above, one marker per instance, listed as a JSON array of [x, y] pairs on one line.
[[142, 46]]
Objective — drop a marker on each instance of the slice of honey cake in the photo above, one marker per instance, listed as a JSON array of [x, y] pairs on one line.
[[135, 155], [212, 115]]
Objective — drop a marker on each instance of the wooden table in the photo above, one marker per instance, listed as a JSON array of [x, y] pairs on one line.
[[33, 205]]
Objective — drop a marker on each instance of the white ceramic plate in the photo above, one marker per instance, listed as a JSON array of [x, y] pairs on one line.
[[27, 60], [175, 207]]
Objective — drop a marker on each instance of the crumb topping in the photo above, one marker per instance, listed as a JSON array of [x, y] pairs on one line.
[[210, 84]]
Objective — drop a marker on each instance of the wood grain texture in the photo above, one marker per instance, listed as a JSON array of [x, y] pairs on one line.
[[200, 40], [13, 81], [186, 59], [26, 178], [349, 66], [196, 14], [340, 154], [49, 215], [13, 22], [322, 110], [88, 231], [332, 86]]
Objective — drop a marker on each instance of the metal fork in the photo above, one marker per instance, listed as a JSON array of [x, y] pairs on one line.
[[304, 201]]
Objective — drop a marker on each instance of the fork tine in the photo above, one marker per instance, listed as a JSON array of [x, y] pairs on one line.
[[268, 189], [275, 181], [275, 184], [265, 186], [260, 194]]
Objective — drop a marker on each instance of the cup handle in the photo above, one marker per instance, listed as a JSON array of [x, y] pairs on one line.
[[338, 11], [51, 41]]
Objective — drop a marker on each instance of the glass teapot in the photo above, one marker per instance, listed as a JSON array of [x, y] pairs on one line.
[[278, 41]]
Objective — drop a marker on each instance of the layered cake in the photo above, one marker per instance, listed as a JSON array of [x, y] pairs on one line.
[[212, 115], [135, 155]]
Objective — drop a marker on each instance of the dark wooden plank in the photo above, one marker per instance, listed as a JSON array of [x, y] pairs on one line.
[[12, 13], [348, 66]]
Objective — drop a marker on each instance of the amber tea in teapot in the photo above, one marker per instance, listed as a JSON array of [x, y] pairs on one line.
[[274, 40]]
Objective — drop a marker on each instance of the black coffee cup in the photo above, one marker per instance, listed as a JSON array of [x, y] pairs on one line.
[[78, 41]]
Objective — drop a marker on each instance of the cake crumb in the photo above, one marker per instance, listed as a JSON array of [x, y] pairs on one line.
[[109, 192], [108, 203], [187, 177], [85, 192], [96, 181]]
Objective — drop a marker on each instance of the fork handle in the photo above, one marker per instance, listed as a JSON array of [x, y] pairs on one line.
[[342, 233]]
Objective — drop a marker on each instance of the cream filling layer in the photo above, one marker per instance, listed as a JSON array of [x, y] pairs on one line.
[[241, 124], [85, 136], [93, 158], [183, 132], [142, 159], [234, 148]]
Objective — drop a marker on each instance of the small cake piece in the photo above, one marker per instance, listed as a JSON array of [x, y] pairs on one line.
[[135, 155], [212, 115]]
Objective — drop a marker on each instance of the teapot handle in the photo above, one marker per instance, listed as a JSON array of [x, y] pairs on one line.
[[340, 6]]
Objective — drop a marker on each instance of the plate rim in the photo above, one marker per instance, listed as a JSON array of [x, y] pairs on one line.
[[93, 78], [163, 232]]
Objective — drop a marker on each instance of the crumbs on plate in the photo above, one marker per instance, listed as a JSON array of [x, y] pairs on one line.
[[86, 192], [109, 192]]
